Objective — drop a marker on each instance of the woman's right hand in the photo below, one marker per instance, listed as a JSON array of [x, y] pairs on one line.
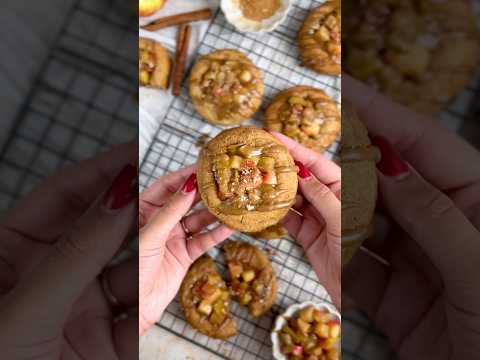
[[319, 229], [428, 301]]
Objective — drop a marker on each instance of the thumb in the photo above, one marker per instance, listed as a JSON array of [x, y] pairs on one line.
[[155, 233], [322, 198], [432, 220], [77, 258]]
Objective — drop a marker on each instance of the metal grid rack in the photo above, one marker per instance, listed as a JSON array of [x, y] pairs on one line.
[[174, 146], [83, 100]]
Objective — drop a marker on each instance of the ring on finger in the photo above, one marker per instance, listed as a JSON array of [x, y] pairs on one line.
[[107, 289], [188, 233]]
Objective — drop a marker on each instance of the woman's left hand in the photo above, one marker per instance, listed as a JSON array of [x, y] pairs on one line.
[[168, 244]]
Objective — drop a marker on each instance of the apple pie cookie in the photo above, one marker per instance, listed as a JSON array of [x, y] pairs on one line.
[[305, 114], [319, 39], [247, 178], [420, 53], [226, 87], [154, 64]]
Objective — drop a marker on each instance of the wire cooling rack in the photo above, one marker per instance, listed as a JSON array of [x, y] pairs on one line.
[[83, 100], [175, 145]]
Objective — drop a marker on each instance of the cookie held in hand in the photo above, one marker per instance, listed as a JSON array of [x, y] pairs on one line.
[[247, 178], [359, 183]]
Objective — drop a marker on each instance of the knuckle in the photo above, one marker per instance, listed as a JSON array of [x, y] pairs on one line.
[[429, 207], [70, 245], [320, 191], [436, 204]]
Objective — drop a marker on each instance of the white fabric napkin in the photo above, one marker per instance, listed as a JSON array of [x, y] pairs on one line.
[[153, 102]]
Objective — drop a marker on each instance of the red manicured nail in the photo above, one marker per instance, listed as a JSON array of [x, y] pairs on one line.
[[391, 163], [123, 189], [303, 172], [190, 184]]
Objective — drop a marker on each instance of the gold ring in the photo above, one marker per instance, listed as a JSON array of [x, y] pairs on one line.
[[188, 233]]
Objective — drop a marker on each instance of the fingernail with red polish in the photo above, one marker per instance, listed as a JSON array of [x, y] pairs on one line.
[[190, 184], [391, 163], [303, 171], [123, 189]]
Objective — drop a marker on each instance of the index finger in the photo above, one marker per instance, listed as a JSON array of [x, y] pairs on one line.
[[325, 170], [421, 140], [51, 208]]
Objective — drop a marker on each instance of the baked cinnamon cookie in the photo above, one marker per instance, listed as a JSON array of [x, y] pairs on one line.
[[359, 183], [319, 39], [305, 114], [247, 178], [252, 279], [226, 87], [204, 299], [420, 53], [154, 64]]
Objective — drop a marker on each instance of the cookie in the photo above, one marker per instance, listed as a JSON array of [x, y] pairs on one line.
[[154, 64], [247, 178], [305, 114], [319, 39], [226, 87], [359, 183], [420, 53]]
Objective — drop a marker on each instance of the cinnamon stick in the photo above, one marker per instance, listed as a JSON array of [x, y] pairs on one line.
[[179, 19], [183, 42]]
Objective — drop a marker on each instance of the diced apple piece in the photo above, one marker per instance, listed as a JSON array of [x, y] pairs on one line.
[[270, 178], [214, 278], [286, 339], [318, 350], [246, 298], [332, 354], [207, 289], [245, 76], [327, 343], [222, 161], [235, 162], [322, 330], [205, 308], [296, 100], [266, 164], [303, 326], [248, 275], [306, 314], [235, 269], [297, 350], [334, 329], [321, 316], [259, 288], [214, 296]]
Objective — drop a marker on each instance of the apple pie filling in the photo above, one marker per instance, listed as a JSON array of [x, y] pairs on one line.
[[247, 179], [326, 33], [211, 298]]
